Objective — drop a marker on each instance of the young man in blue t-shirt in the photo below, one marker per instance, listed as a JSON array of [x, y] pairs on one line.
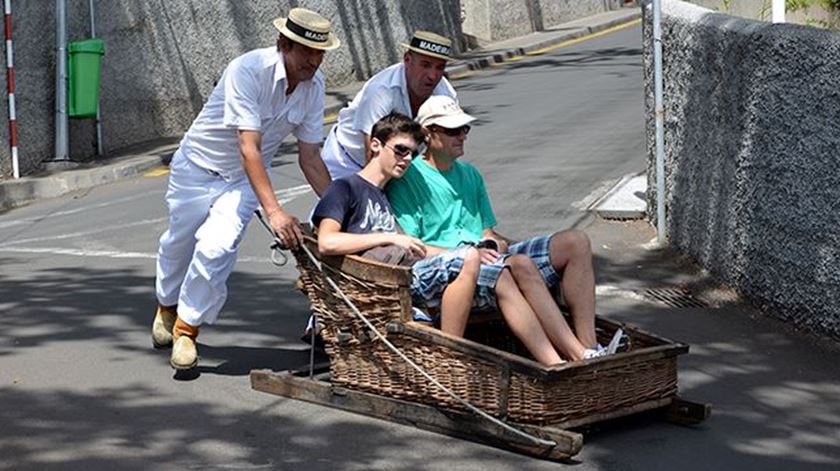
[[353, 216]]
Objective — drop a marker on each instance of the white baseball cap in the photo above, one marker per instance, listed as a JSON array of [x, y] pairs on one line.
[[443, 111]]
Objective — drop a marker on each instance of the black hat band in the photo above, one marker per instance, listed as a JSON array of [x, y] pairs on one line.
[[306, 33], [432, 47]]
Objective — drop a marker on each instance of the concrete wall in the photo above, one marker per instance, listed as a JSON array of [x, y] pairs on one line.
[[493, 20], [163, 58], [752, 150]]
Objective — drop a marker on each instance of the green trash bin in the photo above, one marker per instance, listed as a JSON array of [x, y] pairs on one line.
[[83, 64]]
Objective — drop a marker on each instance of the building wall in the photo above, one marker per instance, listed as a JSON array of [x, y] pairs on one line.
[[163, 58], [494, 20], [752, 148]]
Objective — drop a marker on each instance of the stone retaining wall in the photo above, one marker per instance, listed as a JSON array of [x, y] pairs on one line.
[[752, 150]]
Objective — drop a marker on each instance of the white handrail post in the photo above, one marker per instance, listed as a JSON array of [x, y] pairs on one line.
[[778, 11], [659, 112], [61, 137], [99, 150]]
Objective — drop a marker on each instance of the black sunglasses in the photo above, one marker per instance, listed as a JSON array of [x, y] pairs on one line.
[[403, 151], [455, 131]]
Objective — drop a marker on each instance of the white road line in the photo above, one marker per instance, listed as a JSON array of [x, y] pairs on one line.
[[83, 233], [73, 211], [285, 195], [11, 247], [293, 191], [107, 253], [282, 193]]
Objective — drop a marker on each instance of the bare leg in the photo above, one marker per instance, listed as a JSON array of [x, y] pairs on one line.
[[458, 296], [523, 322], [571, 255], [533, 287]]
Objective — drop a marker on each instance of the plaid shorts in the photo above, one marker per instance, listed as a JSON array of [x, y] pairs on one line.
[[431, 275], [537, 249]]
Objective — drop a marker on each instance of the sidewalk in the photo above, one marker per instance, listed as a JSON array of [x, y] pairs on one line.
[[141, 158]]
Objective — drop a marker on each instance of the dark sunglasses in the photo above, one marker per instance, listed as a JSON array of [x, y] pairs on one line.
[[455, 131], [403, 151]]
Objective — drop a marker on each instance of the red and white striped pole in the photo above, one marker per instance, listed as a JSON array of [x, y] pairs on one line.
[[10, 79]]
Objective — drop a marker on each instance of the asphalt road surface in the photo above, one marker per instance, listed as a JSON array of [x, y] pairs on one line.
[[81, 387]]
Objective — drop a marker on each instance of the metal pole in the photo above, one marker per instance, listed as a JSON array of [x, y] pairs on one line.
[[61, 138], [99, 150], [778, 11], [10, 80], [660, 121]]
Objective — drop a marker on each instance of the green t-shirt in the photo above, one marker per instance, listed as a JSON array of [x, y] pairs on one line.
[[441, 208]]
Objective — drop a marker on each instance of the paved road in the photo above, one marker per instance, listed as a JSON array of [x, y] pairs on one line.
[[81, 387]]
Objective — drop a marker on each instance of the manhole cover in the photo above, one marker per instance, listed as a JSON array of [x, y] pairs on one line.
[[674, 297]]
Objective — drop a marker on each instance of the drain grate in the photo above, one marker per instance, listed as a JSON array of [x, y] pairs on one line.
[[674, 297]]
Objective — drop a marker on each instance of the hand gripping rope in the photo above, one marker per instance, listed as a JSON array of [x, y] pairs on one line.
[[277, 245]]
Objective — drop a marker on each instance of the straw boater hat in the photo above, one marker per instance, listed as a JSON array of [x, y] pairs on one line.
[[308, 28], [430, 44]]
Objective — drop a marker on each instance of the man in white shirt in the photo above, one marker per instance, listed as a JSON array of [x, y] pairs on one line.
[[402, 88], [219, 174]]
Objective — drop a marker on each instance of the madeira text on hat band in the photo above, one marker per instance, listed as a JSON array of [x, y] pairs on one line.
[[306, 33], [425, 45]]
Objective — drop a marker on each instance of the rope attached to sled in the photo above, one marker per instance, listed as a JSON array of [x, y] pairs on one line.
[[533, 439], [277, 247]]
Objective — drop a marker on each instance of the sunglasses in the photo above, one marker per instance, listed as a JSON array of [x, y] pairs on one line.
[[454, 131], [403, 151]]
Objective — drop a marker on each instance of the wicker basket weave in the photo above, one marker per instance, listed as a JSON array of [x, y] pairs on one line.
[[489, 368]]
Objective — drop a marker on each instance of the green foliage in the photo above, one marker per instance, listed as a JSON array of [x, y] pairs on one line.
[[793, 5]]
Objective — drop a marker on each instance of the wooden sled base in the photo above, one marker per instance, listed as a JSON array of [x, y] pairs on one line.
[[296, 384]]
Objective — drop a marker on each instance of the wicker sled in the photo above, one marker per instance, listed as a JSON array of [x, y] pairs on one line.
[[489, 368]]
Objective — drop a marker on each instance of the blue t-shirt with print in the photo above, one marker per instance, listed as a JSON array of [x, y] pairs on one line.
[[358, 205]]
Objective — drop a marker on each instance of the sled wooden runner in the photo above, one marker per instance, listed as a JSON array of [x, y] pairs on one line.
[[295, 384], [465, 425]]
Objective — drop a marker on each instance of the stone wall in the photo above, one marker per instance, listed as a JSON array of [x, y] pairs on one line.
[[163, 58], [752, 148], [494, 20]]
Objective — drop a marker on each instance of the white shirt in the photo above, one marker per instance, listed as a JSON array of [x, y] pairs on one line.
[[383, 93], [251, 95]]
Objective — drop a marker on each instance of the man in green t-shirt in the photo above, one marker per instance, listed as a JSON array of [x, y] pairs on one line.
[[443, 202]]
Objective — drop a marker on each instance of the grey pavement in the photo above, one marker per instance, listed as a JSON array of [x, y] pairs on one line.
[[81, 387], [61, 179]]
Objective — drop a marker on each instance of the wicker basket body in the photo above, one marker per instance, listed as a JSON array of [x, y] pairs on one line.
[[489, 368]]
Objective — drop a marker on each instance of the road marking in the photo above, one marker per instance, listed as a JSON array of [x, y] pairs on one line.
[[77, 210], [107, 253], [584, 38], [157, 172], [293, 192], [83, 233], [285, 195]]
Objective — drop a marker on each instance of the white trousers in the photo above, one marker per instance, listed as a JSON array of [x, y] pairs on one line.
[[207, 219]]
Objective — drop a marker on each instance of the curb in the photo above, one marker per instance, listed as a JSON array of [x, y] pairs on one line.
[[16, 193]]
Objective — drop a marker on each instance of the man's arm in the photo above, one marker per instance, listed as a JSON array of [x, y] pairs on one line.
[[366, 138], [285, 225], [309, 159], [331, 241]]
